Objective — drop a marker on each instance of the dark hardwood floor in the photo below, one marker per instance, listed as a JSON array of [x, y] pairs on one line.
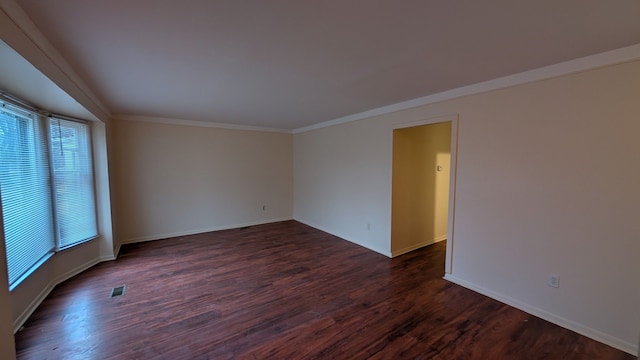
[[284, 291]]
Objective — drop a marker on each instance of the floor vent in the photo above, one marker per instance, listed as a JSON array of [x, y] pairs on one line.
[[118, 291]]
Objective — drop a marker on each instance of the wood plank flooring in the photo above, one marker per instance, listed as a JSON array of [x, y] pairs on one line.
[[284, 291]]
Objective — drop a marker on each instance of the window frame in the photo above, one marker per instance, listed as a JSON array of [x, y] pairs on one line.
[[54, 196], [44, 121]]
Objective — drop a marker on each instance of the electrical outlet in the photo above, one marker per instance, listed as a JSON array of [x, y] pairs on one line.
[[554, 281]]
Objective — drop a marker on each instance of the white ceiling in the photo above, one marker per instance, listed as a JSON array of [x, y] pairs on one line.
[[291, 63]]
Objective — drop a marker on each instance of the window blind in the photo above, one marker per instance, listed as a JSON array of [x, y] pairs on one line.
[[72, 182], [24, 190]]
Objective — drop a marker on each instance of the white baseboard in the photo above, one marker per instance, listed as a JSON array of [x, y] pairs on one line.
[[20, 320], [116, 252], [594, 334], [200, 231], [418, 245], [111, 257], [107, 258], [344, 237], [75, 271]]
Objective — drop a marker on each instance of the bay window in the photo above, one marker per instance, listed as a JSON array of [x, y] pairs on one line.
[[46, 187]]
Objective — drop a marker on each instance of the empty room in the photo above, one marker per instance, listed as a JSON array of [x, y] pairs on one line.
[[319, 180]]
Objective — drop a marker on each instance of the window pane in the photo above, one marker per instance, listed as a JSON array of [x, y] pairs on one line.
[[73, 182], [25, 191]]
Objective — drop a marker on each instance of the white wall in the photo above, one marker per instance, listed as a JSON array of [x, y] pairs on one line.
[[547, 182], [343, 182], [101, 141], [174, 180]]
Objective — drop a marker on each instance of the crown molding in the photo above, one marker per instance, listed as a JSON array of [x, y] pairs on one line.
[[20, 33], [207, 124], [609, 58]]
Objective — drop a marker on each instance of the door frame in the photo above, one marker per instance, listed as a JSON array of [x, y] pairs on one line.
[[454, 120]]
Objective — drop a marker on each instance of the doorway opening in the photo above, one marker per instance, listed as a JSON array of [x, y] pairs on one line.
[[423, 186]]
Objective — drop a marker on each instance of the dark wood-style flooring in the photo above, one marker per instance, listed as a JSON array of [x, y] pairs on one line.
[[284, 291]]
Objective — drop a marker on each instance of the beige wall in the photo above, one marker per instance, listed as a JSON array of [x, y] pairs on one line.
[[173, 180], [420, 193], [547, 182]]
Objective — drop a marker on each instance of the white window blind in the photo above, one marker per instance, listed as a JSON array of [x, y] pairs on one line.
[[47, 192], [25, 191], [72, 182]]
